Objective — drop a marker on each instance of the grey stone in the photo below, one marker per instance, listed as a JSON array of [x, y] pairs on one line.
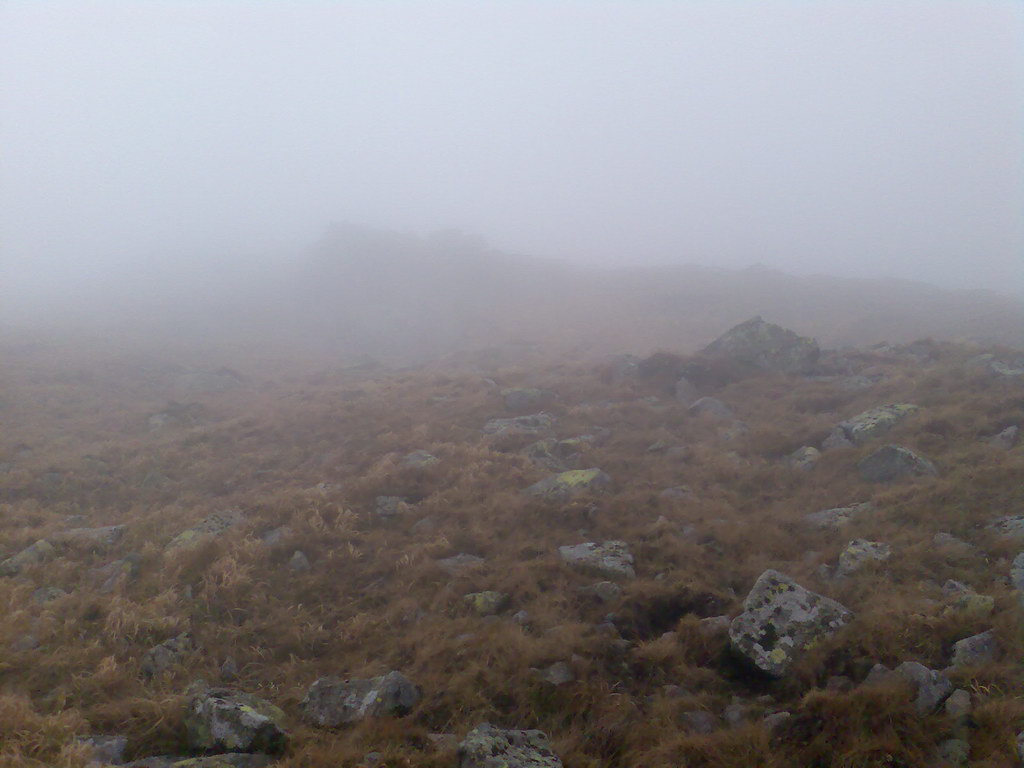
[[1006, 439], [858, 553], [952, 543], [45, 595], [1009, 527], [162, 657], [976, 649], [557, 674], [419, 460], [781, 620], [522, 618], [32, 555], [952, 587], [893, 462], [776, 720], [765, 346], [714, 626], [96, 538], [685, 391], [933, 688], [331, 702], [299, 562], [712, 407], [487, 603], [699, 721], [566, 485], [104, 750], [881, 675], [1017, 573], [390, 507], [958, 705], [458, 564], [226, 720], [803, 459], [534, 424], [837, 516], [875, 421], [610, 558], [210, 527], [224, 760], [836, 439], [487, 746], [955, 753], [116, 574]]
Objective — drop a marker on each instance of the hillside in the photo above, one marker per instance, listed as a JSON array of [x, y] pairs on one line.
[[267, 527]]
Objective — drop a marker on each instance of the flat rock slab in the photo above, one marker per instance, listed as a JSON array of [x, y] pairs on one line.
[[227, 720], [875, 421], [566, 485], [781, 620], [209, 527], [894, 462], [331, 702], [487, 746], [837, 516], [534, 424], [610, 558], [105, 536]]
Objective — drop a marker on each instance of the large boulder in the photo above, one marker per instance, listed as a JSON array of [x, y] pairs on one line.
[[894, 462], [611, 559], [765, 346], [781, 620], [932, 687], [875, 421], [975, 650], [227, 720], [33, 554], [487, 746], [710, 406], [566, 485], [331, 702]]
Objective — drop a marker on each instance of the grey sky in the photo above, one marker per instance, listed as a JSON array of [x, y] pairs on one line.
[[855, 138]]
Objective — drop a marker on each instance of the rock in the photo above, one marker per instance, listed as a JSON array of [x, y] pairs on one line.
[[975, 650], [487, 603], [700, 721], [95, 538], [487, 746], [765, 346], [803, 459], [894, 462], [736, 714], [711, 407], [681, 492], [952, 587], [210, 527], [162, 657], [836, 439], [775, 720], [860, 552], [1009, 527], [566, 485], [427, 525], [331, 702], [557, 674], [460, 563], [958, 705], [881, 675], [875, 422], [534, 424], [115, 574], [177, 414], [104, 750], [933, 688], [229, 670], [522, 399], [45, 595], [26, 642], [419, 460], [837, 516], [952, 543], [276, 536], [227, 720], [559, 454], [299, 562], [978, 606], [685, 391], [225, 760], [390, 507], [1006, 439], [605, 591], [1017, 573], [32, 555], [954, 753], [610, 558], [1020, 746], [781, 620], [522, 618]]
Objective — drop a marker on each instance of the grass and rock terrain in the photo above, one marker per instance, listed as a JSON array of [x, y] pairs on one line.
[[764, 554]]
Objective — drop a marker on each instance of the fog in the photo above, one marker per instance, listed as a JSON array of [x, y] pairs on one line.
[[178, 144]]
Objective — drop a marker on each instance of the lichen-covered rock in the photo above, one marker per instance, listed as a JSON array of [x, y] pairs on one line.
[[975, 650], [1009, 527], [460, 563], [972, 604], [712, 407], [104, 750], [419, 460], [162, 657], [487, 603], [533, 424], [559, 455], [765, 346], [210, 527], [837, 516], [331, 702], [893, 462], [859, 552], [932, 687], [227, 720], [1006, 439], [115, 574], [875, 421], [95, 538], [574, 482], [611, 559], [487, 746], [804, 458], [521, 399], [836, 439], [781, 620], [34, 554]]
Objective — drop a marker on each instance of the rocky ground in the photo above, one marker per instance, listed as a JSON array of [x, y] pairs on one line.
[[764, 554]]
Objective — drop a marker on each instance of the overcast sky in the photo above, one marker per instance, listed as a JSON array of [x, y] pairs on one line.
[[853, 138]]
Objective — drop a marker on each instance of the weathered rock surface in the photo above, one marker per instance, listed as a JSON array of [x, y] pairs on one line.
[[331, 702], [227, 720], [533, 424], [162, 657], [299, 562], [210, 527], [574, 482], [781, 620], [765, 346], [932, 687], [837, 516], [711, 407], [975, 650], [893, 462], [96, 538], [487, 746], [460, 563], [45, 595], [1009, 527], [104, 750], [225, 760], [487, 603], [391, 507], [115, 574], [859, 552], [611, 559], [804, 458], [875, 422], [34, 554], [419, 460], [1006, 439]]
